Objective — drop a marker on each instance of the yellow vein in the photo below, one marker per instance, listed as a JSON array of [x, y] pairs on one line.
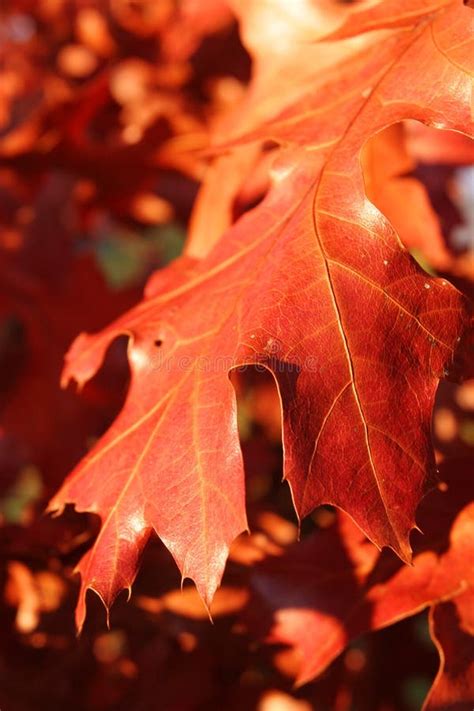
[[391, 298]]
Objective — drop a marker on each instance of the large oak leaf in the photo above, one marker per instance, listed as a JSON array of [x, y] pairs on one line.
[[314, 285]]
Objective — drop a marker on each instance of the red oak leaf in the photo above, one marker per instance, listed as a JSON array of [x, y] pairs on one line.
[[313, 285], [452, 628], [335, 586]]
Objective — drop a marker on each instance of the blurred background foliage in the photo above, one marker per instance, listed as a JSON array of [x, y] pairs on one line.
[[105, 114]]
